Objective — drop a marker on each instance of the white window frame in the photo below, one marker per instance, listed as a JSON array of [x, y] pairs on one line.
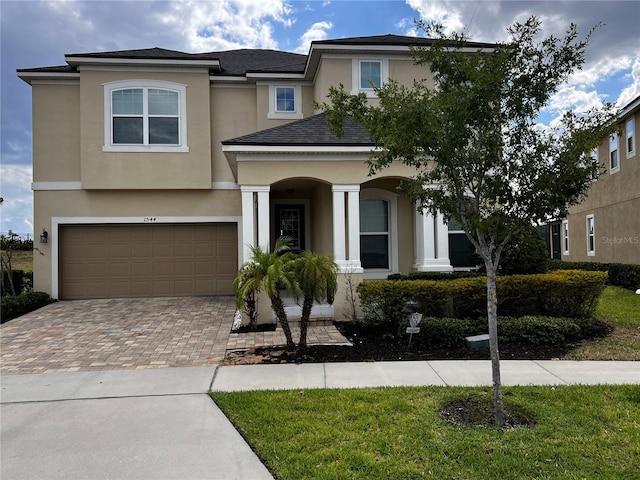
[[591, 237], [355, 71], [630, 126], [392, 200], [273, 102], [565, 237], [614, 146], [145, 85]]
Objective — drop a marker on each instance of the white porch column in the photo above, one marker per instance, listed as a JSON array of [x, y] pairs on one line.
[[431, 243], [339, 240], [346, 227], [263, 217], [248, 222], [442, 242], [255, 218], [353, 219]]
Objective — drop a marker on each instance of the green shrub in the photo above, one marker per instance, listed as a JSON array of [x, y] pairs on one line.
[[620, 274], [537, 330], [22, 281], [571, 294], [15, 306], [525, 254], [446, 332], [624, 275], [434, 275]]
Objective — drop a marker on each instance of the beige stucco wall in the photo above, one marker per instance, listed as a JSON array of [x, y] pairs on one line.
[[144, 170], [614, 201], [56, 132], [332, 72]]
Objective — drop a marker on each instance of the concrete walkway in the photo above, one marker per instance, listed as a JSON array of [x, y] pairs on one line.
[[422, 373], [126, 424]]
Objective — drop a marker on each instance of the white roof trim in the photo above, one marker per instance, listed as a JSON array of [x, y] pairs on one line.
[[296, 149], [141, 61]]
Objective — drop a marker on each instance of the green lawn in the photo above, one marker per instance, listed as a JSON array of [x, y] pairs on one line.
[[621, 308], [395, 433], [20, 260]]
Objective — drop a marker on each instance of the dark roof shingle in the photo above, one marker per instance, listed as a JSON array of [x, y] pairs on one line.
[[309, 131]]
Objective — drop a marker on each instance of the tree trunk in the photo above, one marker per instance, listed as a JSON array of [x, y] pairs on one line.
[[278, 308], [307, 304], [492, 317]]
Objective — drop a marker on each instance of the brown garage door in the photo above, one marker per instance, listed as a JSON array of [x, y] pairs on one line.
[[149, 260]]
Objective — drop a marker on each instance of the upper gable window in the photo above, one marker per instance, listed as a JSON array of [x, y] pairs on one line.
[[631, 139], [145, 116], [285, 102], [369, 73]]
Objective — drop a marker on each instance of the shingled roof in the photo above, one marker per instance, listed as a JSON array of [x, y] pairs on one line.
[[309, 131], [391, 40]]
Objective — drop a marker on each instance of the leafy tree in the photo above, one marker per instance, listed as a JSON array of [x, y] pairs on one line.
[[526, 254], [317, 278], [271, 272], [474, 140]]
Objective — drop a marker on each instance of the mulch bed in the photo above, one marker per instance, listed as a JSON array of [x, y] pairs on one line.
[[374, 346]]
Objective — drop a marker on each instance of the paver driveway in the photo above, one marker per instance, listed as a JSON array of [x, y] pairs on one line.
[[116, 334]]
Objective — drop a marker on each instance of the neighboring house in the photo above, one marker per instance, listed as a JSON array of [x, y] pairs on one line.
[[605, 227], [154, 170]]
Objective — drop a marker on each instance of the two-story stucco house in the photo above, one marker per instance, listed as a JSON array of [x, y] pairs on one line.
[[154, 170], [605, 227]]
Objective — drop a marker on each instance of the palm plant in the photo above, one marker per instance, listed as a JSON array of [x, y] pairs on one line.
[[317, 279], [269, 271]]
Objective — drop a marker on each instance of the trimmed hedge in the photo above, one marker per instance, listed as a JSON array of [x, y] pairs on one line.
[[538, 330], [18, 305], [434, 275], [21, 281], [571, 293], [620, 274]]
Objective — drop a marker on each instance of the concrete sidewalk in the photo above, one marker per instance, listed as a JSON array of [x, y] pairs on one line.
[[133, 424], [422, 373]]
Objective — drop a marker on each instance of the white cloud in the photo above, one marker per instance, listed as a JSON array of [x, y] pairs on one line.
[[632, 91], [447, 13], [207, 26], [16, 212], [318, 31]]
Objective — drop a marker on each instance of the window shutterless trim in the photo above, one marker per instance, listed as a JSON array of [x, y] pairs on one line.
[[145, 85], [630, 140], [591, 236]]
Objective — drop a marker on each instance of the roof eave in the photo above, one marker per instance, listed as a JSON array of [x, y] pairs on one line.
[[30, 77]]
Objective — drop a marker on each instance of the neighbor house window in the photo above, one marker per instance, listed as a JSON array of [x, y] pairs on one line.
[[631, 140], [369, 74], [285, 102], [145, 116], [614, 161], [591, 236], [565, 237]]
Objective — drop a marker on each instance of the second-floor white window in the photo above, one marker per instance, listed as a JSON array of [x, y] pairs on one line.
[[369, 73], [631, 139], [285, 102], [145, 115], [614, 160], [285, 99]]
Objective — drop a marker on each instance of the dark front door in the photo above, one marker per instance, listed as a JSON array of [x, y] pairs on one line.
[[289, 222], [555, 241]]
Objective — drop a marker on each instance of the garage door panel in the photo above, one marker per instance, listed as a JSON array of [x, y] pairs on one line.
[[99, 261]]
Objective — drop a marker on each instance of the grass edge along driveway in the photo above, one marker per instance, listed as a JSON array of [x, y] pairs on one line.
[[581, 432]]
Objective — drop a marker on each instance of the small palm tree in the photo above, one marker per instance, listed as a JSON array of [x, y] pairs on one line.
[[269, 271], [317, 279]]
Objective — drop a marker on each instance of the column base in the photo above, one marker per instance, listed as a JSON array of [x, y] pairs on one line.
[[433, 266], [349, 266]]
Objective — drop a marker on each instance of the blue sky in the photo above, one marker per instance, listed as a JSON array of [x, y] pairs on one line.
[[39, 33]]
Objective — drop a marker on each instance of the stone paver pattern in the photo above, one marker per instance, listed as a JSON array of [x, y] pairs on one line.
[[316, 335], [115, 334]]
